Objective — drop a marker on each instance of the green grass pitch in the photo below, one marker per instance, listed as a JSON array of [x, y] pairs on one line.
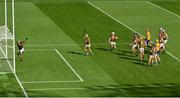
[[54, 62]]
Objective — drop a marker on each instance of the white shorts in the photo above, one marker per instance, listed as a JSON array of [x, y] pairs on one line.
[[165, 41], [151, 56], [141, 50], [113, 43], [156, 55], [87, 45], [21, 51], [162, 45], [134, 46]]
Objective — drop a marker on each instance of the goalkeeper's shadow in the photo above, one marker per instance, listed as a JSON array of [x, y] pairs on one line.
[[76, 53]]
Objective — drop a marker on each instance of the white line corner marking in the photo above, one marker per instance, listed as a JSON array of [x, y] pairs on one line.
[[69, 65], [131, 28]]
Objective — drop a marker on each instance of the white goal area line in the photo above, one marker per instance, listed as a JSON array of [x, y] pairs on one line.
[[120, 22], [4, 73], [41, 82], [50, 89], [69, 65]]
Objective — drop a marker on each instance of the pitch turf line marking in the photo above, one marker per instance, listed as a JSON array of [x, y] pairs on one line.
[[68, 65], [41, 82], [3, 73], [111, 16], [24, 91], [127, 27], [48, 89], [96, 44], [39, 50], [163, 9]]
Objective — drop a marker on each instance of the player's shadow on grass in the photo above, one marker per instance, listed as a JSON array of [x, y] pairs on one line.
[[103, 49], [147, 52], [140, 63], [76, 53], [124, 53], [129, 56]]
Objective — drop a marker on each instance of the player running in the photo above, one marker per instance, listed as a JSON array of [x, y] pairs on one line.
[[112, 40], [141, 48], [148, 37], [87, 45], [20, 45]]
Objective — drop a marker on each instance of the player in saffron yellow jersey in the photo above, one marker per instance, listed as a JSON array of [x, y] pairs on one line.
[[157, 57], [148, 37]]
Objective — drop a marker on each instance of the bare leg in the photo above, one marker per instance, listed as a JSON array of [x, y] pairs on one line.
[[150, 60], [158, 59], [86, 51], [141, 56], [90, 51], [155, 58], [20, 56]]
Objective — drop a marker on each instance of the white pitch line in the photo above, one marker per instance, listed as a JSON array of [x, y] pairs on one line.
[[111, 16], [163, 9], [39, 50], [127, 27], [47, 45], [68, 64], [173, 56], [49, 89], [34, 82], [3, 73], [24, 91]]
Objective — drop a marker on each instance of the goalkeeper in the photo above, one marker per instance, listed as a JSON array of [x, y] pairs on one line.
[[20, 45]]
